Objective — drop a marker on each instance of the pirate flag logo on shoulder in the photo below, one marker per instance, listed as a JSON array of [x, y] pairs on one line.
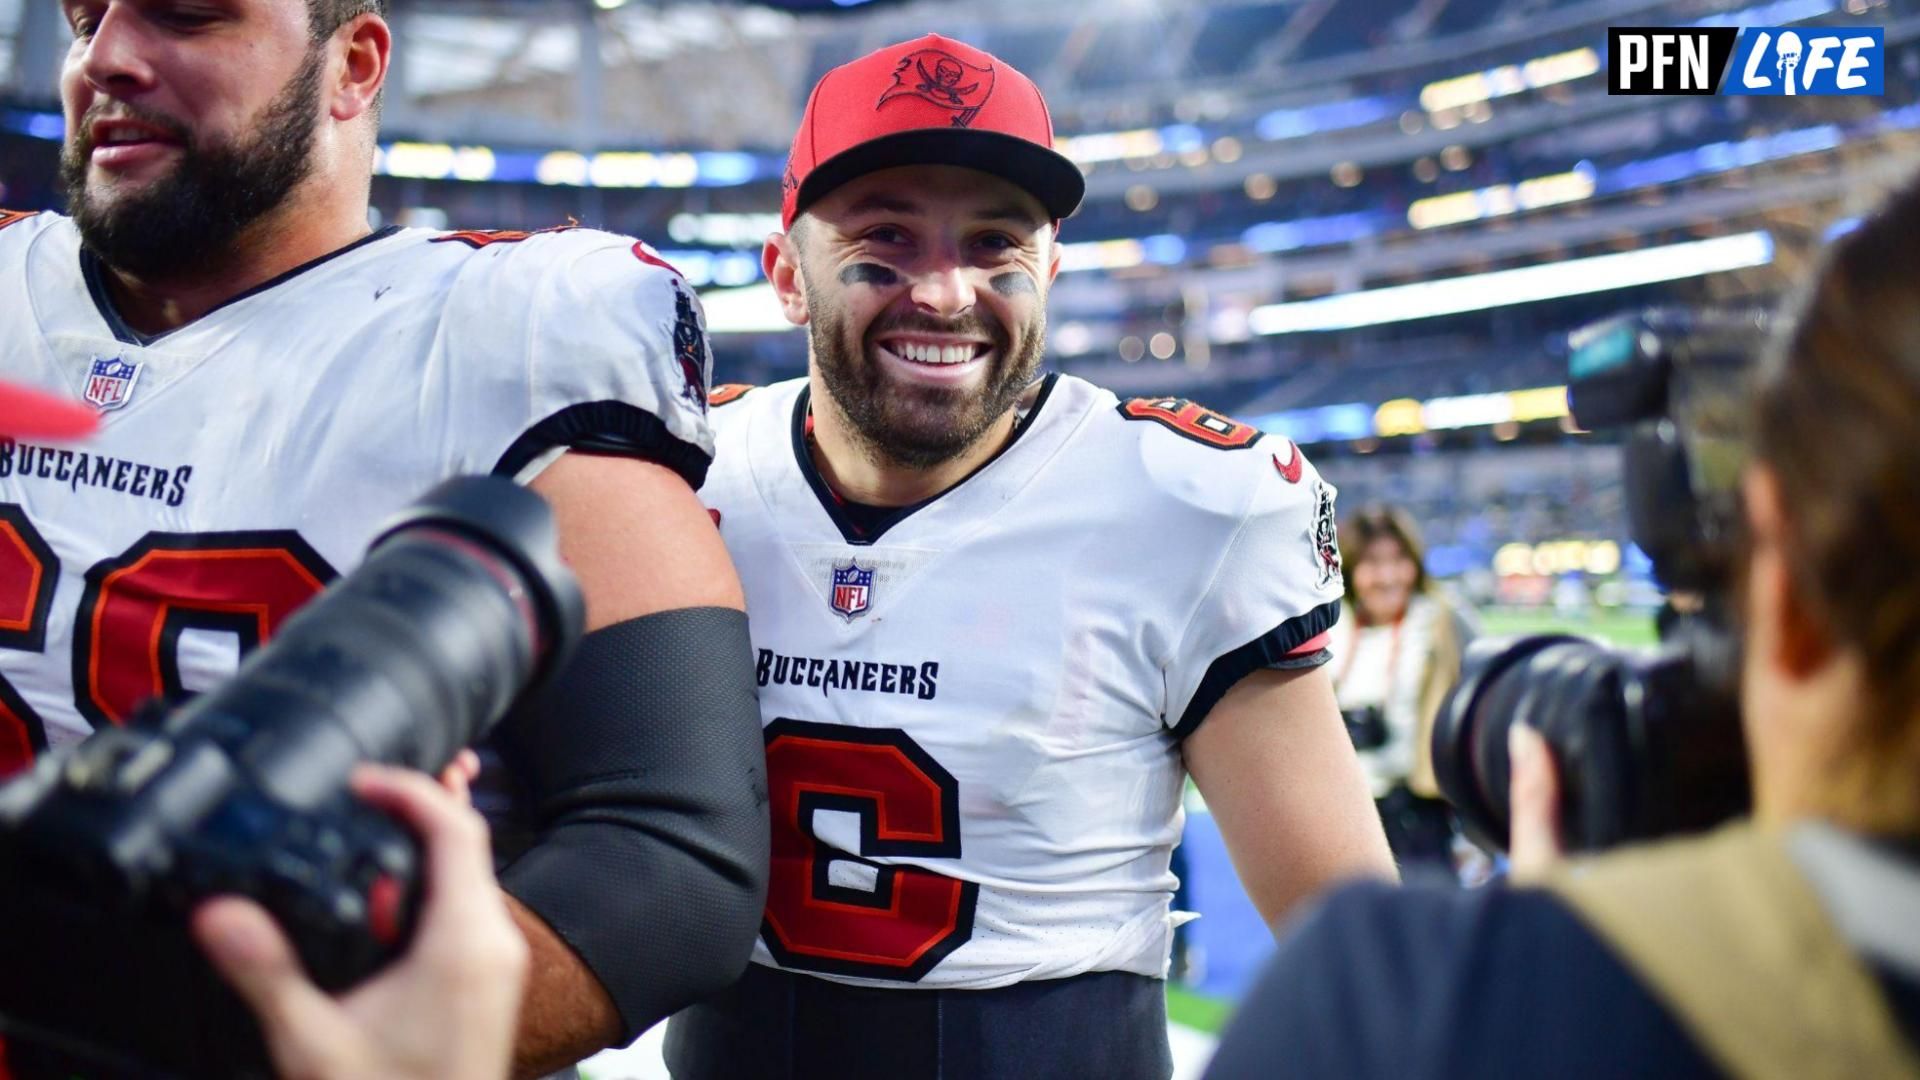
[[939, 77], [689, 349], [1326, 534]]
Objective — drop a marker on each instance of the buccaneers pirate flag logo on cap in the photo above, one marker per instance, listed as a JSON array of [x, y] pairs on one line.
[[929, 101], [943, 79]]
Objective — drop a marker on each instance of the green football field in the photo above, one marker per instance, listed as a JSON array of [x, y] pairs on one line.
[[1200, 1012], [1618, 626]]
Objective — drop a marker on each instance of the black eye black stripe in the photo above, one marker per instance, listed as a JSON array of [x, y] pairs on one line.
[[868, 274], [1014, 283]]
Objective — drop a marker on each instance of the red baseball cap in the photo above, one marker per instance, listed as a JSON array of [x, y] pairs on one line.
[[931, 101], [31, 414]]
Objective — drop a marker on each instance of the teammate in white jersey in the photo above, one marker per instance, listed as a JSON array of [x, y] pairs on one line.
[[447, 1008], [998, 622], [273, 379]]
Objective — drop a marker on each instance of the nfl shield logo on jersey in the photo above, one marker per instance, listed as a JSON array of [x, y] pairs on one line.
[[110, 382], [852, 590]]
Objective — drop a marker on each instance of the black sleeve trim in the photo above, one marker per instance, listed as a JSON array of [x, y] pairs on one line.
[[608, 427], [1269, 650]]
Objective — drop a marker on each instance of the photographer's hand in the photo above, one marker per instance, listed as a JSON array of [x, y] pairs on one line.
[[459, 775], [1533, 793], [445, 1010]]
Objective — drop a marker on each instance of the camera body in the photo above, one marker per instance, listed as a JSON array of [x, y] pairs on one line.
[[109, 844], [105, 981], [1366, 726], [1647, 743]]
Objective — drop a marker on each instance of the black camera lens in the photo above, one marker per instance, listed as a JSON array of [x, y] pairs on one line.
[[1645, 745], [107, 846], [459, 607]]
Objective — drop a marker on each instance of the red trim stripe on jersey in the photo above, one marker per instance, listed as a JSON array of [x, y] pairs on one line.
[[1313, 645]]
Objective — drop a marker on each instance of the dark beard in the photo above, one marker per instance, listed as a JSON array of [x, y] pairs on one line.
[[186, 221], [919, 427]]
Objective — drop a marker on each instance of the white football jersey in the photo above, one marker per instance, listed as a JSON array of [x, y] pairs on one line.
[[973, 718], [246, 458]]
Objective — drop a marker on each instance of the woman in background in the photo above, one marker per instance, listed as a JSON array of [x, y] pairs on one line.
[[1396, 651]]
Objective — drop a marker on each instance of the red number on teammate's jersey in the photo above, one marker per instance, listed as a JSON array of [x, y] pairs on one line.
[[125, 643], [881, 921], [1192, 421], [126, 633], [28, 572]]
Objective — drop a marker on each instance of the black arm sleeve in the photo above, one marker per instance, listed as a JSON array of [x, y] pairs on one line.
[[646, 774]]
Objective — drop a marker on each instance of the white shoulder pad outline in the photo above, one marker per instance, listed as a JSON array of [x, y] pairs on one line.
[[1204, 459], [608, 327], [1278, 582]]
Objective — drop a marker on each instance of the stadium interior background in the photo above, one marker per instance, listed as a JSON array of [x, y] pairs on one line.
[[1365, 224]]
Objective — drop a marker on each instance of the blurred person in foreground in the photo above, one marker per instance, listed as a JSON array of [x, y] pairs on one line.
[[275, 377], [999, 616], [1781, 946], [445, 1009], [1396, 650]]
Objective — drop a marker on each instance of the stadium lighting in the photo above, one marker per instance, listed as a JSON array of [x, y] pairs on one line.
[[1479, 292], [753, 309], [1508, 79], [1162, 249], [1072, 339], [1112, 145], [434, 161], [1502, 199]]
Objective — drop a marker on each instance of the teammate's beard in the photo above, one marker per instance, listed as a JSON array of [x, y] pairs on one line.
[[918, 427], [184, 222]]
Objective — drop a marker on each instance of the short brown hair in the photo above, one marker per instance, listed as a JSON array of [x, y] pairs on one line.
[[1837, 420], [326, 16], [1370, 523]]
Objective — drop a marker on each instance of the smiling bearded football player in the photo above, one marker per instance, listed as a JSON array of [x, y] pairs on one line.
[[999, 618]]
